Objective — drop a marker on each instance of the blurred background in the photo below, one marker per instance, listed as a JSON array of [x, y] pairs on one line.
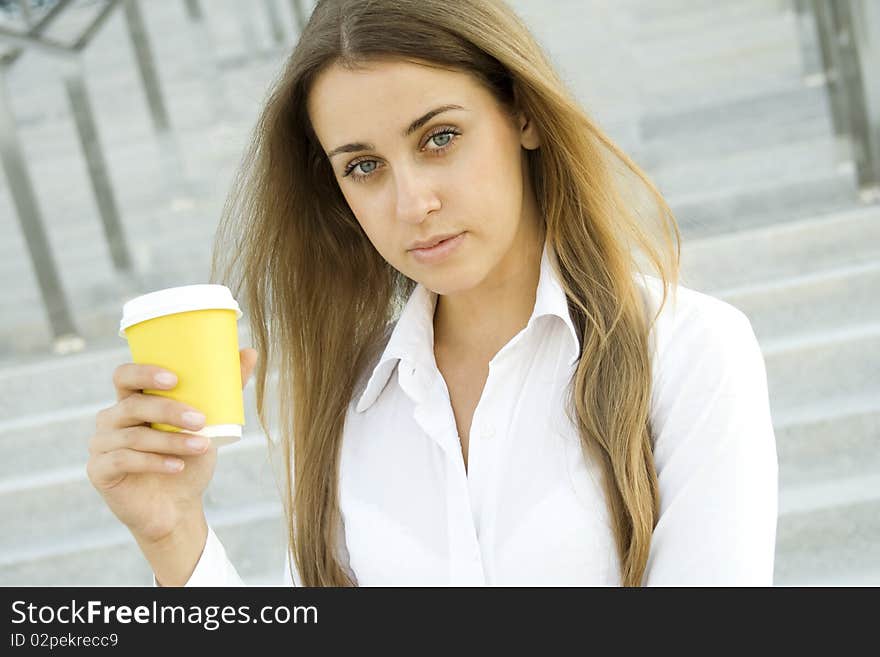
[[123, 121]]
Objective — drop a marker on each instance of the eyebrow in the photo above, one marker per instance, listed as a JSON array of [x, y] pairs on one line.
[[415, 125]]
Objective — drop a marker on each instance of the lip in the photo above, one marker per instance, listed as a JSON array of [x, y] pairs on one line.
[[433, 241], [439, 251]]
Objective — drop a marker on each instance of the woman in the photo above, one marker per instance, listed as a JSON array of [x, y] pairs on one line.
[[519, 404]]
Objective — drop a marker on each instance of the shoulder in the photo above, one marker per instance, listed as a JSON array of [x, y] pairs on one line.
[[704, 354], [707, 366], [693, 326]]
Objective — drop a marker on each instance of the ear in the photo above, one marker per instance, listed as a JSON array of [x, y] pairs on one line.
[[528, 135]]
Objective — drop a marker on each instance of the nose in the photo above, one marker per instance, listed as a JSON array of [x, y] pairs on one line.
[[416, 197]]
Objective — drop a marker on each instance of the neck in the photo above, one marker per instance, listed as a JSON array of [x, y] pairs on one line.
[[480, 321]]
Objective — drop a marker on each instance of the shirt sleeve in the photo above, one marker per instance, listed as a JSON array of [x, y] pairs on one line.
[[213, 568], [715, 455]]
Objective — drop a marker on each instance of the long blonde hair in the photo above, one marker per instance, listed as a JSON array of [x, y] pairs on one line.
[[320, 298]]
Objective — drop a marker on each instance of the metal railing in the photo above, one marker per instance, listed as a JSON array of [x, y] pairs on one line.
[[34, 18], [841, 47]]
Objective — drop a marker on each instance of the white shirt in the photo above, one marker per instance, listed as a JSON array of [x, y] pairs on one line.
[[530, 509]]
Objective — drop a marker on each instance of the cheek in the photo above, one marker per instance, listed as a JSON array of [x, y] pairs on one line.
[[367, 213], [490, 184], [377, 235], [381, 238], [493, 166]]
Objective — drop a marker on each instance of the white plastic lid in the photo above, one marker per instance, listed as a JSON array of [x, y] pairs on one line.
[[176, 300], [220, 434]]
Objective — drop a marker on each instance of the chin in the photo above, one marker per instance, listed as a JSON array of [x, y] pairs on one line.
[[447, 283]]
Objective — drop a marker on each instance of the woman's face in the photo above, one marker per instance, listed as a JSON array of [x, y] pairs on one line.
[[410, 173]]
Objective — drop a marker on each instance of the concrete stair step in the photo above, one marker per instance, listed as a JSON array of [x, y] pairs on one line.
[[830, 577], [830, 494], [750, 166], [826, 300], [748, 118], [755, 39], [32, 376], [30, 384], [83, 262], [58, 439], [685, 15], [837, 543], [723, 147], [75, 236], [129, 146], [89, 278], [29, 338], [827, 367], [42, 507], [677, 150], [829, 443], [714, 212], [86, 257], [814, 244], [253, 535], [705, 72], [174, 44]]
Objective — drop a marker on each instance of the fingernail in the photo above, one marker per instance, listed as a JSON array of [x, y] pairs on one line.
[[173, 464], [165, 379], [197, 444], [193, 420]]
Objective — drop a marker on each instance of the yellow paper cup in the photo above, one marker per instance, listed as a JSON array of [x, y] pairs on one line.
[[192, 331]]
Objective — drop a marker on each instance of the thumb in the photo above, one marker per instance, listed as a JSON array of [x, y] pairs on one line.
[[248, 357]]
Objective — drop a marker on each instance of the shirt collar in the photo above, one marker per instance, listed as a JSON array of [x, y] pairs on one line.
[[412, 339]]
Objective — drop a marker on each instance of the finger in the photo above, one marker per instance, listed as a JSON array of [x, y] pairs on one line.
[[141, 408], [130, 378], [248, 357], [146, 439], [109, 468]]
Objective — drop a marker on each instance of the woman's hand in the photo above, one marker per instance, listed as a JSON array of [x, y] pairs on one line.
[[152, 480]]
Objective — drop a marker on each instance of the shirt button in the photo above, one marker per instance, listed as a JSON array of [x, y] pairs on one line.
[[489, 432]]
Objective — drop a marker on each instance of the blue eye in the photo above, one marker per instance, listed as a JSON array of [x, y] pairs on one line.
[[443, 134], [451, 133]]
